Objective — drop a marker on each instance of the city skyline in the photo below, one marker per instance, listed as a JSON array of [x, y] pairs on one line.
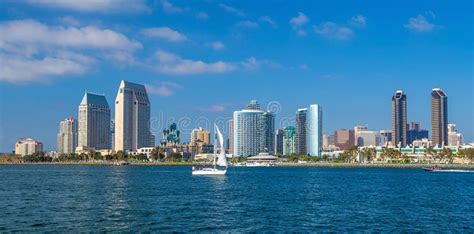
[[195, 66]]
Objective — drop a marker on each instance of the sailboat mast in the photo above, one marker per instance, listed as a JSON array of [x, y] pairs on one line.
[[215, 150]]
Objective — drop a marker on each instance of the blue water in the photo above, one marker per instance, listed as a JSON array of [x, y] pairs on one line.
[[142, 198]]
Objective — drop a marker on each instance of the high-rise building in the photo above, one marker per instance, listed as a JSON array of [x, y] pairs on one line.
[[132, 117], [454, 137], [416, 133], [329, 141], [94, 122], [67, 136], [231, 136], [314, 130], [358, 129], [289, 140], [301, 131], [399, 118], [28, 146], [200, 135], [369, 138], [386, 137], [279, 135], [439, 117], [253, 130], [344, 139]]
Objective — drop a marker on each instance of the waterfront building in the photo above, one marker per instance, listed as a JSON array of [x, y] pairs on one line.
[[329, 142], [67, 136], [253, 130], [399, 118], [301, 131], [289, 140], [171, 136], [94, 122], [28, 146], [369, 138], [358, 129], [386, 136], [231, 135], [314, 130], [416, 133], [439, 117], [454, 137], [112, 134], [279, 135], [200, 135], [132, 117], [344, 139]]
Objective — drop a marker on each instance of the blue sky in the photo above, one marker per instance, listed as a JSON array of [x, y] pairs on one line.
[[205, 59]]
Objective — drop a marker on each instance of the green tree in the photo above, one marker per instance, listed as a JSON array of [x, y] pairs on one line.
[[368, 154], [446, 155]]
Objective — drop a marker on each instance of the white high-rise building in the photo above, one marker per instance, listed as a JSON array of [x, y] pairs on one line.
[[67, 136], [132, 117], [454, 137], [94, 122], [253, 131], [28, 146], [314, 130]]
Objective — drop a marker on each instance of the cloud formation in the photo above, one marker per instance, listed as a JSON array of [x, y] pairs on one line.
[[358, 21], [165, 33], [420, 24], [170, 8], [217, 45], [104, 6], [163, 89], [332, 30], [172, 64], [232, 10], [298, 22], [268, 20], [247, 24]]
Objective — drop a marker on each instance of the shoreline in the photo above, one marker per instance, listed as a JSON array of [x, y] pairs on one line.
[[295, 165]]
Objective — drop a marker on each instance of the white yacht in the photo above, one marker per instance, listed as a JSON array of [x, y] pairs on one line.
[[220, 161]]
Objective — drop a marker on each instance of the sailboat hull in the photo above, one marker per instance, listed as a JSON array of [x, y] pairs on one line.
[[209, 171]]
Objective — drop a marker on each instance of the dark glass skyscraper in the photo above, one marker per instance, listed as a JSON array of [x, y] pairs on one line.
[[301, 131], [439, 117], [399, 118]]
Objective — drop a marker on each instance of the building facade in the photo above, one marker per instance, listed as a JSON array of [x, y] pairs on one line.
[[253, 131], [289, 140], [94, 122], [399, 118], [67, 136], [439, 117], [279, 135], [132, 117], [231, 136], [344, 139], [301, 131], [314, 130], [28, 146], [171, 136], [200, 135], [369, 138], [454, 137], [416, 133]]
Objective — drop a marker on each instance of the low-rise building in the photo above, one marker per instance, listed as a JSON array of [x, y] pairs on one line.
[[28, 146]]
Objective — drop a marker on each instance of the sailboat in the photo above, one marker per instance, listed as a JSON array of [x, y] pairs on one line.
[[220, 162]]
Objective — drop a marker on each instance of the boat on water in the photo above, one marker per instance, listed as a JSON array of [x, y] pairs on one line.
[[258, 164], [437, 169], [121, 163], [220, 161]]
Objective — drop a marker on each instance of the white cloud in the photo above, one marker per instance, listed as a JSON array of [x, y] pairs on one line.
[[268, 20], [105, 6], [419, 24], [20, 70], [252, 63], [170, 8], [172, 64], [165, 33], [232, 10], [202, 15], [212, 108], [247, 24], [69, 20], [217, 45], [34, 52], [163, 89], [33, 32], [358, 21], [299, 20], [332, 30]]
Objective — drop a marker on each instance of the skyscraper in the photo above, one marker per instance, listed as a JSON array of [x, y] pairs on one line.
[[132, 117], [253, 130], [344, 139], [301, 131], [67, 136], [399, 118], [94, 122], [279, 135], [289, 140], [439, 117], [416, 133], [200, 135], [231, 136], [314, 130]]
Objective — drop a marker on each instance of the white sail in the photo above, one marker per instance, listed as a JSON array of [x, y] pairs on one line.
[[221, 159]]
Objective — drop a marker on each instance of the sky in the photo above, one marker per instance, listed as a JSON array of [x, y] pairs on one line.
[[202, 60]]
